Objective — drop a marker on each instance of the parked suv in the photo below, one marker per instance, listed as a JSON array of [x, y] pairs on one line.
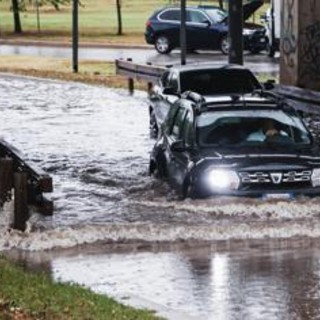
[[236, 145], [205, 79], [206, 28]]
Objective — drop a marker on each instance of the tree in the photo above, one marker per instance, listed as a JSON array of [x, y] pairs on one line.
[[16, 16], [20, 5], [118, 3]]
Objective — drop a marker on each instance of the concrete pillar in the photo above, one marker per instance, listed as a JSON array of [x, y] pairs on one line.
[[300, 43]]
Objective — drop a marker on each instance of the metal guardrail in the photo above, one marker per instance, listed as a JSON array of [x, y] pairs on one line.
[[140, 72], [302, 99], [27, 182], [146, 72], [307, 101]]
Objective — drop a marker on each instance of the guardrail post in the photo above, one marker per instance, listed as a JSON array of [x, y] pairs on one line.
[[150, 85], [6, 179], [21, 214], [131, 86]]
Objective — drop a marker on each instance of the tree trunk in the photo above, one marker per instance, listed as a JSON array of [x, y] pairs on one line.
[[119, 17], [16, 16], [221, 4]]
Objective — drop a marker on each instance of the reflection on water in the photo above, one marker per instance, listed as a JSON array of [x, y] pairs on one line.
[[243, 280]]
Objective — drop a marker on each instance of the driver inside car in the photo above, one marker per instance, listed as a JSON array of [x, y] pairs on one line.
[[267, 131]]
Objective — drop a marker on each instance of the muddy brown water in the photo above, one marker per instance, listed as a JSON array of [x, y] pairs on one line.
[[120, 232]]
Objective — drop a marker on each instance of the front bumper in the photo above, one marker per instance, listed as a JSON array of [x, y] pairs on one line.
[[149, 37], [255, 42], [260, 193]]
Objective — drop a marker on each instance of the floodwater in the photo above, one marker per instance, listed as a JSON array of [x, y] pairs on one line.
[[120, 232]]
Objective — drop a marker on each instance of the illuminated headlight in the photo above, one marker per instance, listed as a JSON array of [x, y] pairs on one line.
[[219, 179], [315, 178], [248, 32]]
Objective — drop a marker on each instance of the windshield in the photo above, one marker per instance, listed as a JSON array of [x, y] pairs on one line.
[[246, 128], [217, 15], [219, 81]]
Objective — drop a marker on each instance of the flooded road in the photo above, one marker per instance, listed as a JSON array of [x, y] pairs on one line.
[[94, 142]]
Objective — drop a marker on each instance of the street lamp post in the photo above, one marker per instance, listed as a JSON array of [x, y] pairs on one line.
[[235, 32], [75, 36], [183, 38]]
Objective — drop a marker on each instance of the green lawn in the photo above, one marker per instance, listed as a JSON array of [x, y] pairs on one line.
[[28, 296], [97, 19]]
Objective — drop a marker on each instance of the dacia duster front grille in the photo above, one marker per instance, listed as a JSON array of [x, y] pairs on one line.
[[263, 177]]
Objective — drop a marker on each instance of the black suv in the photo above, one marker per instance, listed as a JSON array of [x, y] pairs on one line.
[[236, 145], [205, 79], [206, 28]]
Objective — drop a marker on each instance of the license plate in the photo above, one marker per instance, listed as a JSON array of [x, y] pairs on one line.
[[262, 40], [277, 196]]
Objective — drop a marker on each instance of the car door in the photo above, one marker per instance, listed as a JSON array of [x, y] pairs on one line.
[[178, 160], [169, 25], [198, 29]]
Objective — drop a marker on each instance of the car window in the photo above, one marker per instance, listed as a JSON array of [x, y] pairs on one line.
[[187, 129], [196, 16], [219, 81], [217, 15], [170, 15], [251, 127], [178, 123]]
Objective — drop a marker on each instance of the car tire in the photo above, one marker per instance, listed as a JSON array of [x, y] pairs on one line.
[[270, 50], [224, 45], [153, 126], [255, 51], [159, 171], [163, 44]]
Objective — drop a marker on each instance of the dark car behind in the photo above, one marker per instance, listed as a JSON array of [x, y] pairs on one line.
[[205, 79], [206, 28]]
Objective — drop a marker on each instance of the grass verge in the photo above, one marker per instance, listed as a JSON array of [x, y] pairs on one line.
[[27, 296], [92, 72]]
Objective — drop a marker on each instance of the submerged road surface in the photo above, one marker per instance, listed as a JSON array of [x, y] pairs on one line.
[[219, 258]]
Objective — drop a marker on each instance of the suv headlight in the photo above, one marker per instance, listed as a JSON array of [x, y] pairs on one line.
[[248, 32], [315, 178], [220, 179]]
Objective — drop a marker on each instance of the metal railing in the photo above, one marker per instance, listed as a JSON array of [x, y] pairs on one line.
[[24, 183]]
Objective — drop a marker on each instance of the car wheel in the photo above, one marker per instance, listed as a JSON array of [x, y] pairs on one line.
[[159, 170], [163, 44], [153, 126], [270, 50], [255, 51], [224, 45]]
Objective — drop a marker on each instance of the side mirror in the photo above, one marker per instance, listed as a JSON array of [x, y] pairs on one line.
[[170, 90], [178, 146], [207, 23], [269, 85]]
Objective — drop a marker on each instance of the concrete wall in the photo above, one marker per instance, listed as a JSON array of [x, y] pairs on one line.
[[300, 43]]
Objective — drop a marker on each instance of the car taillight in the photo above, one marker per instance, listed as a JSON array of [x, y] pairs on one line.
[[148, 23]]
